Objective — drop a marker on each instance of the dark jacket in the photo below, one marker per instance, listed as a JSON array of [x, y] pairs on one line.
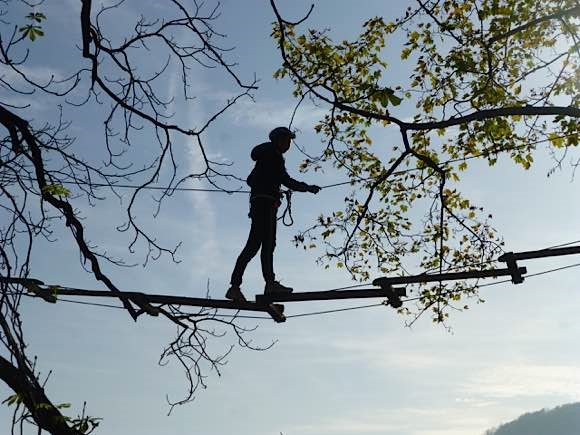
[[270, 172]]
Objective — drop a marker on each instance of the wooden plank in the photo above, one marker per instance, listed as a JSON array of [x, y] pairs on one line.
[[21, 281], [45, 294], [173, 300], [453, 276], [33, 286], [528, 255], [328, 295]]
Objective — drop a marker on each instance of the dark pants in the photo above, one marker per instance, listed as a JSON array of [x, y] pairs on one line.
[[262, 234]]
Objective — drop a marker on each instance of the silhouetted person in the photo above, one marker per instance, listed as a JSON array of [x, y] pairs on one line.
[[265, 180]]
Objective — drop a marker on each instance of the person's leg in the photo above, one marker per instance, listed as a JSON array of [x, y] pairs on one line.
[[267, 257], [268, 245], [252, 245]]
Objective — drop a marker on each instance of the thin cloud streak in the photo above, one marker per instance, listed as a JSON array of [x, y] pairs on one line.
[[525, 380], [203, 243], [378, 353], [409, 421], [265, 114]]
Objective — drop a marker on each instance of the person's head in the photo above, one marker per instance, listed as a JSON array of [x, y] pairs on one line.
[[281, 138]]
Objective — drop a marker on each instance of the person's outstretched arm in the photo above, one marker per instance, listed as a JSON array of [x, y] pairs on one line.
[[299, 186]]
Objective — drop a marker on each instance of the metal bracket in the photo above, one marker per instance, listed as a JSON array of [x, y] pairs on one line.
[[511, 262]]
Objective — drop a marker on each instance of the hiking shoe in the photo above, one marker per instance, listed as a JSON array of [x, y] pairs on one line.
[[275, 287], [235, 294]]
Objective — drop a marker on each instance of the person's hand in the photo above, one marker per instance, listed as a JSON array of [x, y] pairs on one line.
[[313, 189]]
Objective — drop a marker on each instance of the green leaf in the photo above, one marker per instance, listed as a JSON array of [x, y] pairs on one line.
[[405, 53], [557, 140], [36, 16], [31, 31], [56, 190], [13, 399], [395, 101]]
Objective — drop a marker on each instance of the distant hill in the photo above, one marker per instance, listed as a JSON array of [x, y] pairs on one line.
[[563, 420]]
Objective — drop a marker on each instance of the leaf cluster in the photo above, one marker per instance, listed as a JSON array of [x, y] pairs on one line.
[[33, 30], [479, 72]]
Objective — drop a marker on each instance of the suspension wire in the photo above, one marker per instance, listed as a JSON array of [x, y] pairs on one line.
[[327, 186], [564, 244], [338, 310], [133, 186], [545, 272], [460, 159], [361, 307], [460, 266], [481, 263], [344, 288], [532, 275], [317, 313], [233, 316], [347, 287], [96, 304]]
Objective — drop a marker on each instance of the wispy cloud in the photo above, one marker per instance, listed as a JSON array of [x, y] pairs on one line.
[[437, 420], [40, 74], [377, 353], [203, 239], [204, 230], [525, 380], [265, 114]]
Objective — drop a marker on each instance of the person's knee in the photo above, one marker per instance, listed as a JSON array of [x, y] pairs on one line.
[[251, 249], [268, 247]]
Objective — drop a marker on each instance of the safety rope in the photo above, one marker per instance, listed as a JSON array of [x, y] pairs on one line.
[[288, 210], [286, 217]]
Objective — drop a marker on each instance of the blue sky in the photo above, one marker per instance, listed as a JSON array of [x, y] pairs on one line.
[[356, 372]]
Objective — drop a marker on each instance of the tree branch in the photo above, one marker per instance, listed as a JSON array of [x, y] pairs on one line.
[[572, 11]]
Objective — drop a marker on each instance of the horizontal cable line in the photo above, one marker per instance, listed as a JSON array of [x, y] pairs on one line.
[[344, 288], [460, 159], [461, 266], [327, 186], [564, 244], [233, 316], [338, 310], [96, 304], [135, 187]]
